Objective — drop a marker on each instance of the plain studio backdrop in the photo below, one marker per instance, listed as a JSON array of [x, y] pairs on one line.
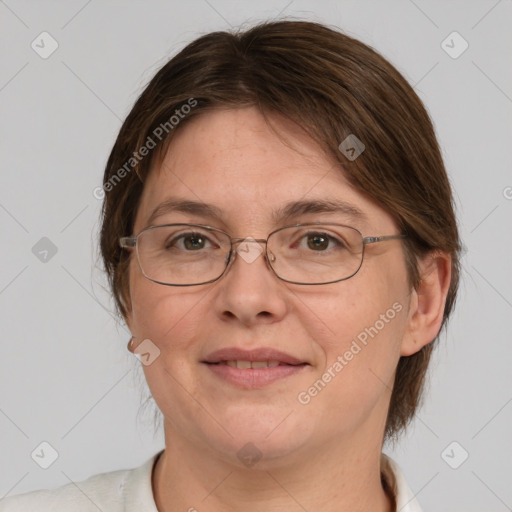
[[70, 74]]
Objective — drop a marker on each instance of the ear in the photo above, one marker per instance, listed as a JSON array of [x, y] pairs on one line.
[[426, 307]]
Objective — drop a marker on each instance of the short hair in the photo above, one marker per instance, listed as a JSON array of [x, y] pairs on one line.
[[333, 86]]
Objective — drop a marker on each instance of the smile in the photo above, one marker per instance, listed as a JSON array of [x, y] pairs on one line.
[[253, 374], [252, 364]]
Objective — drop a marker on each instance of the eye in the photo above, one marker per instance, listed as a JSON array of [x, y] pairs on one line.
[[320, 241], [191, 241]]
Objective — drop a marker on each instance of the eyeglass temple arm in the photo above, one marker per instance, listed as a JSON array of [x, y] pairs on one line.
[[375, 239], [127, 241]]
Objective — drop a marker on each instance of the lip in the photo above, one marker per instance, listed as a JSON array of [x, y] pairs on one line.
[[259, 354], [251, 378]]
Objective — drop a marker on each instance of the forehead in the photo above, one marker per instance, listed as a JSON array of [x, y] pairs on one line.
[[248, 172]]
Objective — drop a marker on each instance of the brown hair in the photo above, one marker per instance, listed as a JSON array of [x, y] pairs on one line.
[[333, 86]]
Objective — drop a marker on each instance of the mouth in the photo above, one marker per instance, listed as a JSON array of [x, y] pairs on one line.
[[256, 358], [245, 365], [252, 369]]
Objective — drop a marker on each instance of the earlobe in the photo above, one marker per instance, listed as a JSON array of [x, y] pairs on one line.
[[427, 304]]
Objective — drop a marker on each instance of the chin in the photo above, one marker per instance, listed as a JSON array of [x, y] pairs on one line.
[[262, 441]]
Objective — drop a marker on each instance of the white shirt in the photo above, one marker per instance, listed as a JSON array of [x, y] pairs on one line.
[[130, 490]]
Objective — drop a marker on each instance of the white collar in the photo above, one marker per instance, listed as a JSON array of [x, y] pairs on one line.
[[404, 497], [138, 489]]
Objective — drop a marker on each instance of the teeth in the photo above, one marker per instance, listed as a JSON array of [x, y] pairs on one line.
[[259, 364], [252, 364]]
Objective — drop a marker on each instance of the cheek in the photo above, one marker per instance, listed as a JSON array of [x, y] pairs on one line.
[[170, 317], [357, 336], [163, 313], [348, 311]]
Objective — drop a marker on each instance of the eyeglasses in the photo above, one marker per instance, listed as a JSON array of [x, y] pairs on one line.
[[194, 254]]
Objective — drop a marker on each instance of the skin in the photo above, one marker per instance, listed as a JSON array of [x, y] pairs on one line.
[[321, 456]]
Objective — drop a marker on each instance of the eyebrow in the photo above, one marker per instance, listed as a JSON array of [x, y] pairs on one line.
[[284, 213]]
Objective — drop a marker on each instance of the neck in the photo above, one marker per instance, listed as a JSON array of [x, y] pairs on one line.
[[337, 479]]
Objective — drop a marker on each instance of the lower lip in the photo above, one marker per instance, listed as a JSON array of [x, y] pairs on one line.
[[250, 378]]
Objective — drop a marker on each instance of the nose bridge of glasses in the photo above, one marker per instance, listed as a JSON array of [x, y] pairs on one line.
[[249, 253]]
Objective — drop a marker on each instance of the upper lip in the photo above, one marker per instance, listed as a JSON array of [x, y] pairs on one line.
[[258, 354]]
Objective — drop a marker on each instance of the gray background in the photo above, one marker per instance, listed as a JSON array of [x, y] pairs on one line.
[[66, 377]]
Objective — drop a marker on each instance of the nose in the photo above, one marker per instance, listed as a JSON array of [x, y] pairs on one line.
[[249, 290]]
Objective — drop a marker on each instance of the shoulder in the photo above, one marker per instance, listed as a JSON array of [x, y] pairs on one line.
[[91, 494], [115, 491]]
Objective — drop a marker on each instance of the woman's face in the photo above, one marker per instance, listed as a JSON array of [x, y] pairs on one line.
[[348, 333]]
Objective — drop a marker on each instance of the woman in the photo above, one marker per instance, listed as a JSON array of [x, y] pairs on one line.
[[279, 235]]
